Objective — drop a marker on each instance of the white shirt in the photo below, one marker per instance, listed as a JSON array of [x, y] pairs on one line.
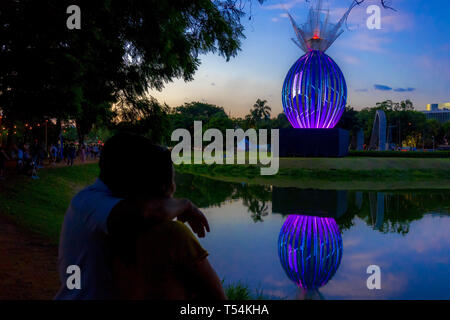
[[83, 243]]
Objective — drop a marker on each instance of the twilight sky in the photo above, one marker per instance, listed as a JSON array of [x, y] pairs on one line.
[[408, 58]]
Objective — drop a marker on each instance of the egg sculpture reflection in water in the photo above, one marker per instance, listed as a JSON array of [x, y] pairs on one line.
[[310, 250]]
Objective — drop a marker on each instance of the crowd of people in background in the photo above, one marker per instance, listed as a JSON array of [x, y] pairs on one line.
[[29, 157]]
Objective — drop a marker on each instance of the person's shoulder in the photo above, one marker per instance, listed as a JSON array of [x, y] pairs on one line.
[[92, 193]]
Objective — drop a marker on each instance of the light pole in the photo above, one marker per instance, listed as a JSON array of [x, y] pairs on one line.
[[1, 131], [46, 141]]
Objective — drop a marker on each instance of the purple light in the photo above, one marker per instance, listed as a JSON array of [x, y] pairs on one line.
[[314, 92], [310, 249]]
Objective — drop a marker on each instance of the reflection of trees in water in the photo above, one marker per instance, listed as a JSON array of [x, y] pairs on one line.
[[391, 212], [255, 198], [206, 193], [345, 222], [388, 212], [258, 210]]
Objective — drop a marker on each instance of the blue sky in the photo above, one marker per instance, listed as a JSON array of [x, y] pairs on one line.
[[408, 58]]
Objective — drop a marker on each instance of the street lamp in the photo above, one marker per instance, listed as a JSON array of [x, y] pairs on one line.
[[46, 140]]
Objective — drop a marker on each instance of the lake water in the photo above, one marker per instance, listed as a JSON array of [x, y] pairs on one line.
[[294, 243]]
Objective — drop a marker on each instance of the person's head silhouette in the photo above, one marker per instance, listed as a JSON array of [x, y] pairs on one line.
[[133, 167]]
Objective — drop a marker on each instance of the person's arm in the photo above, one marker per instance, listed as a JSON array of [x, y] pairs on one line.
[[128, 213]]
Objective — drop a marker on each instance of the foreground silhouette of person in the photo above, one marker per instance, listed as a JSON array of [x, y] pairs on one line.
[[162, 260], [111, 212]]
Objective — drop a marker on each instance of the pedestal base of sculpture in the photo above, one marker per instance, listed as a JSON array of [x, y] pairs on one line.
[[314, 142], [309, 202]]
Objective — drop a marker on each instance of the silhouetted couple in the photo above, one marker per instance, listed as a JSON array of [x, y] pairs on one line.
[[120, 239]]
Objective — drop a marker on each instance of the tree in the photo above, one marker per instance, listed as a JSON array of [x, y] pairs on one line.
[[446, 132], [37, 74], [260, 112], [281, 121], [220, 123], [123, 49], [406, 105], [185, 115], [145, 117], [349, 120]]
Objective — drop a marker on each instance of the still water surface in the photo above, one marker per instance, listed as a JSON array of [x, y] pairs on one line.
[[291, 243]]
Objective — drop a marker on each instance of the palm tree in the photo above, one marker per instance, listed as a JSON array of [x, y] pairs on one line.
[[260, 111]]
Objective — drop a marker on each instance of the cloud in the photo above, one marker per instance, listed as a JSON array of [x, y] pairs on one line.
[[351, 59], [280, 6], [281, 15], [382, 87], [404, 89], [396, 22], [366, 41]]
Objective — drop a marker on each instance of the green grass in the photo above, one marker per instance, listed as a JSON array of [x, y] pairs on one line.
[[366, 163], [241, 291], [338, 173], [40, 204]]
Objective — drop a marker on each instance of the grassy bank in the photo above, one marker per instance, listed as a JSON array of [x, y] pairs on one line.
[[354, 173], [39, 205]]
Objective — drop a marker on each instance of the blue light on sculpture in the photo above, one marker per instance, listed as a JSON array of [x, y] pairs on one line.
[[314, 92], [310, 250]]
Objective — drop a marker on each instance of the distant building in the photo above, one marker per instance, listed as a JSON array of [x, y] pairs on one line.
[[438, 111], [438, 106]]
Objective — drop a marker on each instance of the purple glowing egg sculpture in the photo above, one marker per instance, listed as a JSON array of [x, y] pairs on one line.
[[314, 92]]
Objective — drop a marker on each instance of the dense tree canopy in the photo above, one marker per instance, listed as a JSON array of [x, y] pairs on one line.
[[123, 49]]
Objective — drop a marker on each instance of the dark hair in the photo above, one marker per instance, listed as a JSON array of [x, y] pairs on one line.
[[133, 167]]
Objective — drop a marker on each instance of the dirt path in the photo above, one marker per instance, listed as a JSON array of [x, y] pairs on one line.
[[27, 264]]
